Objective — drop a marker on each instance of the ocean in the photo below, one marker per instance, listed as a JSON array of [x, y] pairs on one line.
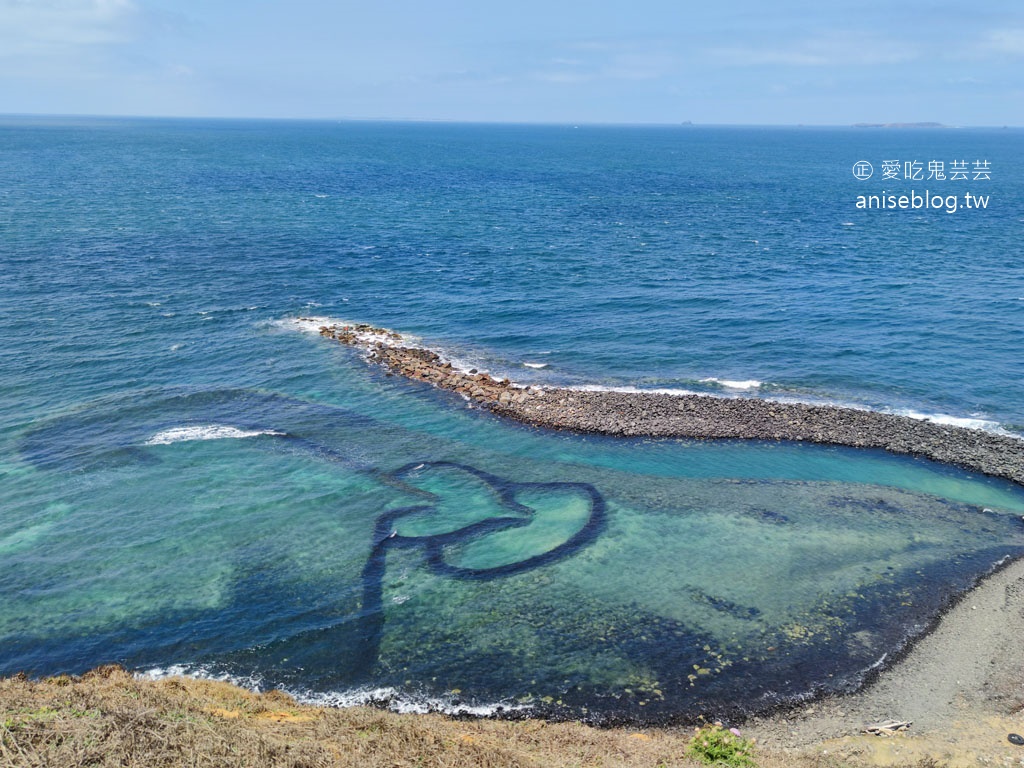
[[194, 481]]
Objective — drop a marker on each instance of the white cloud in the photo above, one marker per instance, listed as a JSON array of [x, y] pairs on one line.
[[606, 60], [826, 50], [564, 77], [40, 27], [990, 45], [1006, 41], [639, 66], [755, 57], [964, 81]]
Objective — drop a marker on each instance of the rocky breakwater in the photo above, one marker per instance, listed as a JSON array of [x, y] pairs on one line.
[[388, 348], [701, 416], [693, 416]]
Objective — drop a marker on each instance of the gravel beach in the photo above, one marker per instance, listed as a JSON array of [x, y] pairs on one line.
[[961, 686]]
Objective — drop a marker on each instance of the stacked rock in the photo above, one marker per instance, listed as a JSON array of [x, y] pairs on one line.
[[692, 416]]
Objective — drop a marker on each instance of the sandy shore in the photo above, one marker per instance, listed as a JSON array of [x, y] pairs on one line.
[[961, 685]]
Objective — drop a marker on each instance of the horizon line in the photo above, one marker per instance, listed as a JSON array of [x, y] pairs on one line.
[[865, 125]]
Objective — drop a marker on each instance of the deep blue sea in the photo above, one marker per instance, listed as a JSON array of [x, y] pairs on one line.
[[191, 479]]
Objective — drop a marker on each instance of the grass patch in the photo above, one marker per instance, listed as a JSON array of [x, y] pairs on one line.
[[108, 718], [714, 745]]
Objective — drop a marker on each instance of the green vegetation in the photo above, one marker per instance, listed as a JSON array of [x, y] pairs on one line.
[[714, 745]]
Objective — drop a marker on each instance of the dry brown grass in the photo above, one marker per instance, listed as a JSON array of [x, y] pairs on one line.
[[109, 718]]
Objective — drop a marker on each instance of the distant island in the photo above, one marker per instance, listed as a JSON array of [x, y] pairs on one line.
[[899, 125]]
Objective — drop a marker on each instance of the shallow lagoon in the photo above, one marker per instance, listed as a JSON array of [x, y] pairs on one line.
[[417, 551]]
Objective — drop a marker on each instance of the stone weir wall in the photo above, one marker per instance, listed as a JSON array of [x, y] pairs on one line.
[[384, 347], [692, 416]]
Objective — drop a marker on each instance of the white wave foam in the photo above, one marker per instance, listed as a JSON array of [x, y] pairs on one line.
[[393, 699], [733, 383], [368, 339], [312, 325], [159, 673], [968, 422], [253, 683], [537, 366], [205, 432], [459, 364], [629, 390], [403, 702], [828, 402], [308, 324]]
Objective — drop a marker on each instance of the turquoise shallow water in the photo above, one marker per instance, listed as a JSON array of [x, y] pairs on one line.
[[189, 479]]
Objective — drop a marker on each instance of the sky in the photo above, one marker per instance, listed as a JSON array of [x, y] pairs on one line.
[[553, 61]]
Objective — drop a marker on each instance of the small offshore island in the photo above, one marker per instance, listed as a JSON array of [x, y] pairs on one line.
[[926, 124], [652, 414]]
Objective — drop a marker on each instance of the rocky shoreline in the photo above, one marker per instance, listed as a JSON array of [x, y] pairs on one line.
[[653, 414]]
